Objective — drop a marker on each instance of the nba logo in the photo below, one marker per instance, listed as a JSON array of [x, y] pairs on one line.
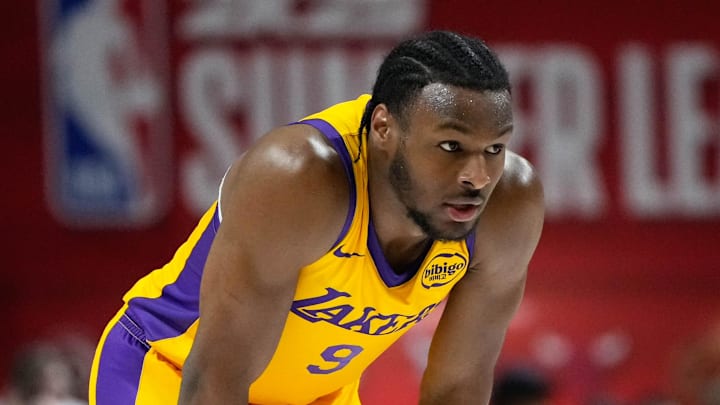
[[107, 140]]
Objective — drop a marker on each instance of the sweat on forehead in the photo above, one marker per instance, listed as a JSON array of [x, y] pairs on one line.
[[457, 102]]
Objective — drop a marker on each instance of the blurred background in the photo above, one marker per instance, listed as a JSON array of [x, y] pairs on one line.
[[119, 117]]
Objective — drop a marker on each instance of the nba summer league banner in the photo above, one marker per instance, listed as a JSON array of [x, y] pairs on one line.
[[148, 102]]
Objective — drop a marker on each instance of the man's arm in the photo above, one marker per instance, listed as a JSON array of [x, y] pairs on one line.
[[281, 206], [471, 332]]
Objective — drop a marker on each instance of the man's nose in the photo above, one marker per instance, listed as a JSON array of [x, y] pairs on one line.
[[475, 174]]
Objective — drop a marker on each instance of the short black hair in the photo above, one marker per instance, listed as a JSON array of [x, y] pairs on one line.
[[434, 57]]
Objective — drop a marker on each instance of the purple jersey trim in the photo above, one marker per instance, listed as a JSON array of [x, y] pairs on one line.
[[120, 366], [387, 274], [172, 313], [337, 142]]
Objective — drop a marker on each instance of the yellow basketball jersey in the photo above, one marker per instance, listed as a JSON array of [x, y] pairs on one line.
[[349, 305]]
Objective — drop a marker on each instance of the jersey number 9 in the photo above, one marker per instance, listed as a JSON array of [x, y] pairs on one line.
[[340, 354]]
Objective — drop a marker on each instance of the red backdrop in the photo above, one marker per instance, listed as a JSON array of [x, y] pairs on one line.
[[609, 274]]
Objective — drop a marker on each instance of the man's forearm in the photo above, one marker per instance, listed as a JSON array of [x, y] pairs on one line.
[[203, 386]]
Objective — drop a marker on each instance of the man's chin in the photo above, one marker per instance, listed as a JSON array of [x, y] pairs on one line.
[[442, 230], [453, 233]]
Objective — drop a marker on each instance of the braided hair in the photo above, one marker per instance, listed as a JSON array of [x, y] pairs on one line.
[[435, 57]]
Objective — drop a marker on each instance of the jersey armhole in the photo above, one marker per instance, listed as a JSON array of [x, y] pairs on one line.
[[338, 144]]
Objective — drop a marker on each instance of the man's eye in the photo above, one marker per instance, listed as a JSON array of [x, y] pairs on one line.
[[495, 149], [450, 146]]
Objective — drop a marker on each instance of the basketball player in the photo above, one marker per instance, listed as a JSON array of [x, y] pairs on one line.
[[332, 237]]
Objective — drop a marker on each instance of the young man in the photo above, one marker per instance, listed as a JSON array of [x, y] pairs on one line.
[[335, 241]]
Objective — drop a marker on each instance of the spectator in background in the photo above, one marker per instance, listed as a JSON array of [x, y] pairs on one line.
[[521, 386], [43, 374]]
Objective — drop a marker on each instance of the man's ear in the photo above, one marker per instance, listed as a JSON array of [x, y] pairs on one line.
[[380, 123]]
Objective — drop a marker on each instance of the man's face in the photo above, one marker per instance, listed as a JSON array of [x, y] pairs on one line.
[[450, 156]]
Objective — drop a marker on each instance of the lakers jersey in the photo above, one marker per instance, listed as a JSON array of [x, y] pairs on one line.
[[349, 305]]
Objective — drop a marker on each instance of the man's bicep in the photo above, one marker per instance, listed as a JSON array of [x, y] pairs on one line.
[[242, 308], [270, 230], [245, 291]]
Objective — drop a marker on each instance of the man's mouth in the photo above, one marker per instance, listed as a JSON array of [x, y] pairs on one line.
[[462, 212]]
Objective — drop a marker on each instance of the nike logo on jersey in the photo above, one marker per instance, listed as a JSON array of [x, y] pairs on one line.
[[339, 253]]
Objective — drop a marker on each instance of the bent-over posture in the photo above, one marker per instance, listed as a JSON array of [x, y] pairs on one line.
[[335, 235]]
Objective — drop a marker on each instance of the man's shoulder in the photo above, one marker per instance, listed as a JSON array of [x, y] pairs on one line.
[[519, 174], [511, 224], [518, 196], [298, 151], [519, 184], [295, 163], [291, 181]]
